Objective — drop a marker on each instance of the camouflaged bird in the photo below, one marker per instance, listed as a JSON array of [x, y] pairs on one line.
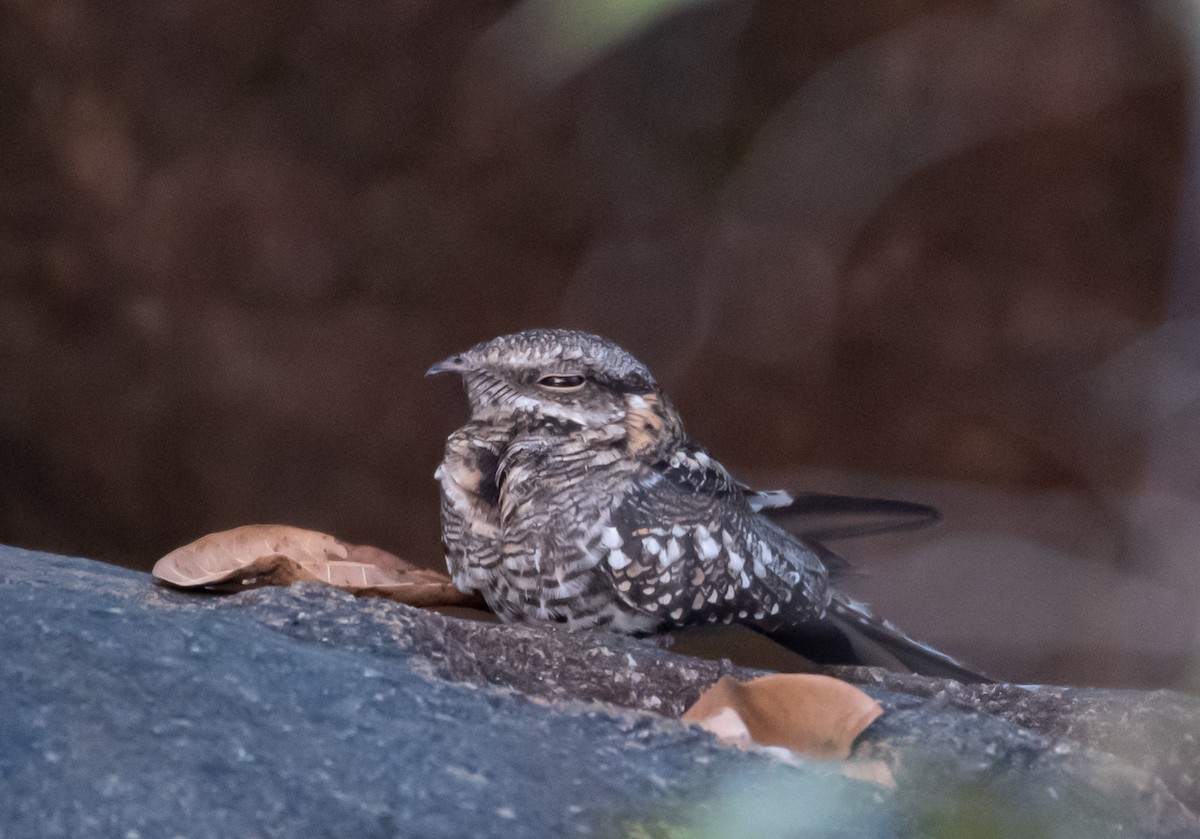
[[573, 495]]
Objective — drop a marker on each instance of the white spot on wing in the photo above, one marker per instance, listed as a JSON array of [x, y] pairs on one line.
[[611, 538], [617, 560], [706, 545], [674, 551], [769, 499], [736, 563]]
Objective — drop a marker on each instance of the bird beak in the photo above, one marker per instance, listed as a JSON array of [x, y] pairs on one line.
[[453, 364]]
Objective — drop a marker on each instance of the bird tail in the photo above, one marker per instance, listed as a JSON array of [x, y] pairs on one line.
[[850, 634]]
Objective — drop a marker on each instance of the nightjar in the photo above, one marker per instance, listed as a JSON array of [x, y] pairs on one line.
[[573, 495]]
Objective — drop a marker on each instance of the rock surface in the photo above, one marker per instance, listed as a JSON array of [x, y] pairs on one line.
[[136, 711]]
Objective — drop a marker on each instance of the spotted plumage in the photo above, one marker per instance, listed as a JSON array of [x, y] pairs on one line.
[[573, 495]]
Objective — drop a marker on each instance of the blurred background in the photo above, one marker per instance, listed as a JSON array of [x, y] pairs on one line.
[[929, 249]]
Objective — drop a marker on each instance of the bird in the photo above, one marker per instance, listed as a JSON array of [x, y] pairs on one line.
[[573, 496]]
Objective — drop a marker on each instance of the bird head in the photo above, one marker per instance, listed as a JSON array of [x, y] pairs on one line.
[[558, 374]]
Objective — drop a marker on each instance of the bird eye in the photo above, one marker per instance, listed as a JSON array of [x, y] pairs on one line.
[[561, 381]]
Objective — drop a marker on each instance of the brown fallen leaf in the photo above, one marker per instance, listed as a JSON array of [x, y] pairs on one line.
[[875, 772], [818, 716], [273, 554], [730, 728]]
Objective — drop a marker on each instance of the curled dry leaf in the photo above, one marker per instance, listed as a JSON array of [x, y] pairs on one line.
[[271, 554], [815, 715]]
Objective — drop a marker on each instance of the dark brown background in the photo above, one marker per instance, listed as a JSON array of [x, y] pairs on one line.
[[939, 250]]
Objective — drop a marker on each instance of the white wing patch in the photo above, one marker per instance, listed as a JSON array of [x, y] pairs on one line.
[[768, 499]]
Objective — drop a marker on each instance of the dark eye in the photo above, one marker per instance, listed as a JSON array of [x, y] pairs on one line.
[[561, 381]]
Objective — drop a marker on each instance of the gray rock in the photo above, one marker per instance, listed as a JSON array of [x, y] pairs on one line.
[[133, 710]]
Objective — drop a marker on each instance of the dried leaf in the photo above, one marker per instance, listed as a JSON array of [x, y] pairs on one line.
[[728, 726], [870, 771], [815, 715], [271, 554]]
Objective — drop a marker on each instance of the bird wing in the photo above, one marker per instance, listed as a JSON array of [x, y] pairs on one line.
[[682, 544], [469, 504], [685, 545], [816, 515]]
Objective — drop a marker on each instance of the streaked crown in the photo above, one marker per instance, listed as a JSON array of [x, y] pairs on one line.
[[559, 372]]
